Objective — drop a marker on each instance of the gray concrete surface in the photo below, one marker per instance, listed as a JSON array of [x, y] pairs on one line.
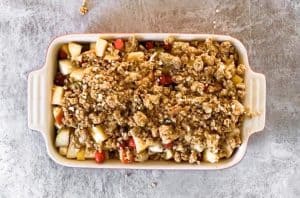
[[270, 31]]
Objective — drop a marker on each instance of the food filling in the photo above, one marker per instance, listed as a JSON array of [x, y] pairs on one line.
[[148, 100]]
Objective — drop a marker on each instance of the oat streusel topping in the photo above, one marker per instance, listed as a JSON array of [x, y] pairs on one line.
[[160, 100]]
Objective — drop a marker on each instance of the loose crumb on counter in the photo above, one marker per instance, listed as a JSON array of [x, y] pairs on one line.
[[83, 9], [153, 185]]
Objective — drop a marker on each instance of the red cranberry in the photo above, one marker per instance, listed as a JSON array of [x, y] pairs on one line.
[[59, 79], [165, 80], [149, 45]]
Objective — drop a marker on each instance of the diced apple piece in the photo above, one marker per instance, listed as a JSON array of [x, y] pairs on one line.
[[228, 150], [100, 47], [98, 134], [74, 49], [167, 134], [156, 148], [92, 46], [111, 57], [141, 157], [209, 156], [65, 66], [198, 147], [89, 153], [72, 150], [140, 144], [57, 95], [58, 115], [58, 126], [57, 111], [63, 150], [81, 154], [78, 58], [179, 147], [77, 74], [135, 56], [63, 53], [236, 79], [62, 138], [168, 154]]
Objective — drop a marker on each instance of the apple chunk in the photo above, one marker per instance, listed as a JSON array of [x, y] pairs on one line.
[[74, 49], [81, 154], [89, 153], [65, 66], [58, 115], [209, 156], [57, 95], [100, 47], [98, 134], [141, 157], [156, 148], [92, 46], [63, 150], [135, 56], [168, 154], [77, 74], [63, 53], [62, 138], [72, 150], [140, 144]]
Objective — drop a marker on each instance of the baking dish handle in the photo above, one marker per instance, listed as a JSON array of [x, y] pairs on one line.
[[36, 100], [257, 100]]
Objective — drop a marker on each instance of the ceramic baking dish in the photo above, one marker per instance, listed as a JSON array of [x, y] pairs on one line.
[[40, 117]]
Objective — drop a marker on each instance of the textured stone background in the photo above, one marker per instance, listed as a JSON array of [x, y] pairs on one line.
[[270, 31]]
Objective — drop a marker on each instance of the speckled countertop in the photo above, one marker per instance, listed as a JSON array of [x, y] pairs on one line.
[[270, 31]]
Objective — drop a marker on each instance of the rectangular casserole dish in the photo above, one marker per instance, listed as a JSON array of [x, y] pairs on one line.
[[40, 117]]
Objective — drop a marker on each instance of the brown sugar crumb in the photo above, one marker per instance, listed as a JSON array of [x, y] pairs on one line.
[[83, 9]]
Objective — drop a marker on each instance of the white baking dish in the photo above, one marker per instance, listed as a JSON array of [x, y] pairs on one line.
[[40, 118]]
